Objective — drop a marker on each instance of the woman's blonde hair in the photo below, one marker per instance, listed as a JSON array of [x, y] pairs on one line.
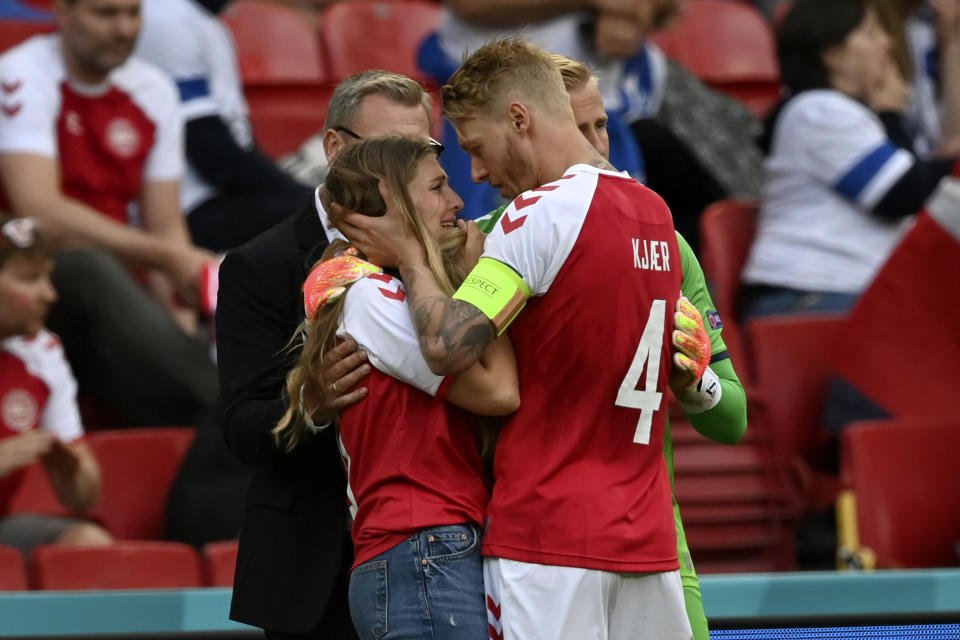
[[353, 183]]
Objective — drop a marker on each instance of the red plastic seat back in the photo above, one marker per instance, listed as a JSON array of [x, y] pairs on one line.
[[275, 44], [377, 34], [138, 467], [220, 563], [906, 479], [125, 565], [730, 46], [13, 32], [792, 367], [13, 573], [727, 229]]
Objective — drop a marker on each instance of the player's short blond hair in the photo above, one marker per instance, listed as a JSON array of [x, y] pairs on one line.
[[575, 74], [508, 68]]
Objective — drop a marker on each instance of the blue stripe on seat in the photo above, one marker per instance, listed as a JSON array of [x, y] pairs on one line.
[[854, 181], [191, 88]]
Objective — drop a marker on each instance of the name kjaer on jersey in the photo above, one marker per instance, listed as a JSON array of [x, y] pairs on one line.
[[654, 257]]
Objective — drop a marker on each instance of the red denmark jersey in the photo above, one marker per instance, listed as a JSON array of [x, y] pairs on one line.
[[580, 477], [37, 391], [411, 459], [108, 139]]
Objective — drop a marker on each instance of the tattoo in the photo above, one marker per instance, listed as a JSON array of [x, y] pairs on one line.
[[601, 163], [453, 333]]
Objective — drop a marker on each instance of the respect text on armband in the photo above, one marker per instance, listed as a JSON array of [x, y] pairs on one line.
[[487, 287]]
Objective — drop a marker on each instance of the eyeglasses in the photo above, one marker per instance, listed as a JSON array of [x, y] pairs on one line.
[[436, 145]]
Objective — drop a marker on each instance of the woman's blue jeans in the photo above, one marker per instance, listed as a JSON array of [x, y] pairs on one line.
[[428, 587]]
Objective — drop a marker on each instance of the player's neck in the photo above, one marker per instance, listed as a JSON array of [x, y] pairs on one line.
[[566, 148]]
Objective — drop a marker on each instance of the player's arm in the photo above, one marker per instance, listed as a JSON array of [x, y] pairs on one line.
[[491, 387], [726, 421]]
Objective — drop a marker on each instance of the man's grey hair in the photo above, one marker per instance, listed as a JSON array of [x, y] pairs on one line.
[[396, 87]]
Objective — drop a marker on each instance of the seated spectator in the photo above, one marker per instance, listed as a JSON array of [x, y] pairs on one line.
[[88, 134], [842, 182], [39, 419], [231, 190]]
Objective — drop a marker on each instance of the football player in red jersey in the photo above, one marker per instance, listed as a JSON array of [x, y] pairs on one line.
[[583, 540], [416, 486]]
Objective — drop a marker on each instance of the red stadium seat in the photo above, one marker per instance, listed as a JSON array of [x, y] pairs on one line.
[[284, 116], [730, 46], [138, 467], [377, 34], [284, 74], [13, 32], [220, 563], [791, 364], [726, 233], [275, 44], [125, 565], [906, 484], [13, 573]]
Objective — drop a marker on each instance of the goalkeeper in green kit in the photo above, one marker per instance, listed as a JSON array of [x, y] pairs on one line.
[[700, 355]]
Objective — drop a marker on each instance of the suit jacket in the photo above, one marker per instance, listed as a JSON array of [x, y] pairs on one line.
[[292, 537]]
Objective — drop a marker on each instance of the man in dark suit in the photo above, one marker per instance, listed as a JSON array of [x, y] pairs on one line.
[[295, 553]]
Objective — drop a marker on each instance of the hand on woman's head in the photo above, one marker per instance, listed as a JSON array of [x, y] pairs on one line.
[[386, 240]]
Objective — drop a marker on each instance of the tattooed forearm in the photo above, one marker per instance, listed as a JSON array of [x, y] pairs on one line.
[[453, 333]]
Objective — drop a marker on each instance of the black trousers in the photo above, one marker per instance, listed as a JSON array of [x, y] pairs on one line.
[[125, 349], [335, 623]]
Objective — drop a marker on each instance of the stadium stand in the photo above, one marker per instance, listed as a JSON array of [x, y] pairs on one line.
[[726, 231], [13, 32], [791, 362], [906, 487], [397, 26], [219, 563], [284, 74], [126, 565], [13, 574], [730, 46], [138, 467]]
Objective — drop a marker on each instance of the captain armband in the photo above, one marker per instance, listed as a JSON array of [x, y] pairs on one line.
[[702, 396], [497, 290]]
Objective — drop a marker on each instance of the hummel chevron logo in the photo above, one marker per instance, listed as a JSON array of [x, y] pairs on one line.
[[399, 295], [523, 203], [509, 225], [10, 87], [12, 109], [520, 203], [493, 607]]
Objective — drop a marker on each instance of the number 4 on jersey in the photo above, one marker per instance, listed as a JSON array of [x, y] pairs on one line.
[[648, 354]]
